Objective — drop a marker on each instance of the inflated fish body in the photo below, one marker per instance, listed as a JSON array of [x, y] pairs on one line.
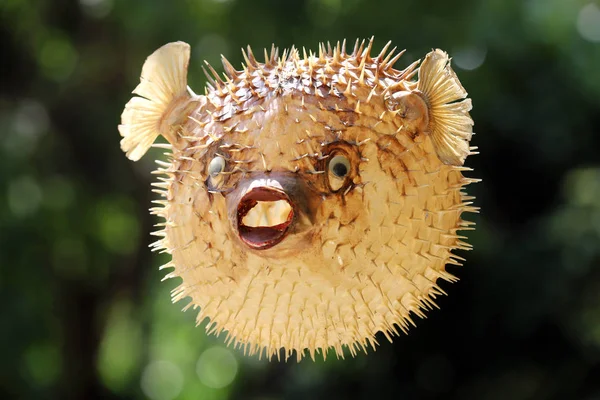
[[309, 201]]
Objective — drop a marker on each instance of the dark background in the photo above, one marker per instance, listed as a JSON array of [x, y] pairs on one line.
[[83, 313]]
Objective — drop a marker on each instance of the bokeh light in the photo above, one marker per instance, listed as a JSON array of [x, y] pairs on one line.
[[469, 58], [588, 22], [57, 57], [24, 196], [217, 367], [43, 362], [116, 226], [120, 351], [162, 380], [29, 123], [97, 8]]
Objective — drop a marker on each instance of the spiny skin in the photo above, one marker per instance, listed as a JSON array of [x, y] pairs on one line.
[[363, 252]]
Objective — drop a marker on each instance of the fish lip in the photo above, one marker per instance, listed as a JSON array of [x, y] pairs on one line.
[[263, 237]]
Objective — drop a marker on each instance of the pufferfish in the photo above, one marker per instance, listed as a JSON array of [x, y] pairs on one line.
[[310, 201]]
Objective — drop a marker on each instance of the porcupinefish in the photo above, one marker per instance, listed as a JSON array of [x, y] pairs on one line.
[[310, 201]]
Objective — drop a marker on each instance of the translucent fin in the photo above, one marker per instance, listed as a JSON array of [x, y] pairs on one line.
[[163, 80], [451, 127]]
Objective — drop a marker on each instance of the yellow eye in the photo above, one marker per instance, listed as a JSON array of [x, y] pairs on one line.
[[339, 169], [216, 166]]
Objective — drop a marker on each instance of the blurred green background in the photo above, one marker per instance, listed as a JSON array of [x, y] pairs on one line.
[[83, 312]]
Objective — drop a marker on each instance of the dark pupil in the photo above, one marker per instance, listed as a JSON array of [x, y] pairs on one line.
[[339, 169]]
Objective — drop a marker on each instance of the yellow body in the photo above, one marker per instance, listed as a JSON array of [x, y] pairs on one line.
[[356, 254]]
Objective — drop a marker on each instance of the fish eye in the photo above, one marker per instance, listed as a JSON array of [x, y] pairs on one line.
[[339, 166], [216, 166], [339, 169]]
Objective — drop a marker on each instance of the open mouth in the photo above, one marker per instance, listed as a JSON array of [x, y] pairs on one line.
[[264, 215]]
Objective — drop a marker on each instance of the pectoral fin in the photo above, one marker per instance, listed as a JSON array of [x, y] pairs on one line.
[[450, 125], [163, 86]]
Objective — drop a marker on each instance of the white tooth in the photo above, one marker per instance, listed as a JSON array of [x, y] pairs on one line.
[[264, 213], [281, 211], [267, 213], [251, 219]]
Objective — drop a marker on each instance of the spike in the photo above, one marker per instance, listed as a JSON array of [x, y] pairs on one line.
[[383, 51], [289, 56], [248, 64], [336, 54], [393, 60], [360, 49], [232, 93], [229, 70], [283, 58], [361, 78], [348, 91], [251, 57], [410, 71], [211, 80], [371, 93], [376, 77], [165, 146], [356, 51], [274, 55], [384, 62], [367, 53], [361, 67], [217, 79]]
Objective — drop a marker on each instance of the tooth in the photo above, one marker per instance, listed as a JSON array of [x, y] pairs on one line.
[[264, 214]]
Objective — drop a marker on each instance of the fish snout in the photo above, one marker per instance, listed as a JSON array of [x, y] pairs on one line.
[[264, 215]]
